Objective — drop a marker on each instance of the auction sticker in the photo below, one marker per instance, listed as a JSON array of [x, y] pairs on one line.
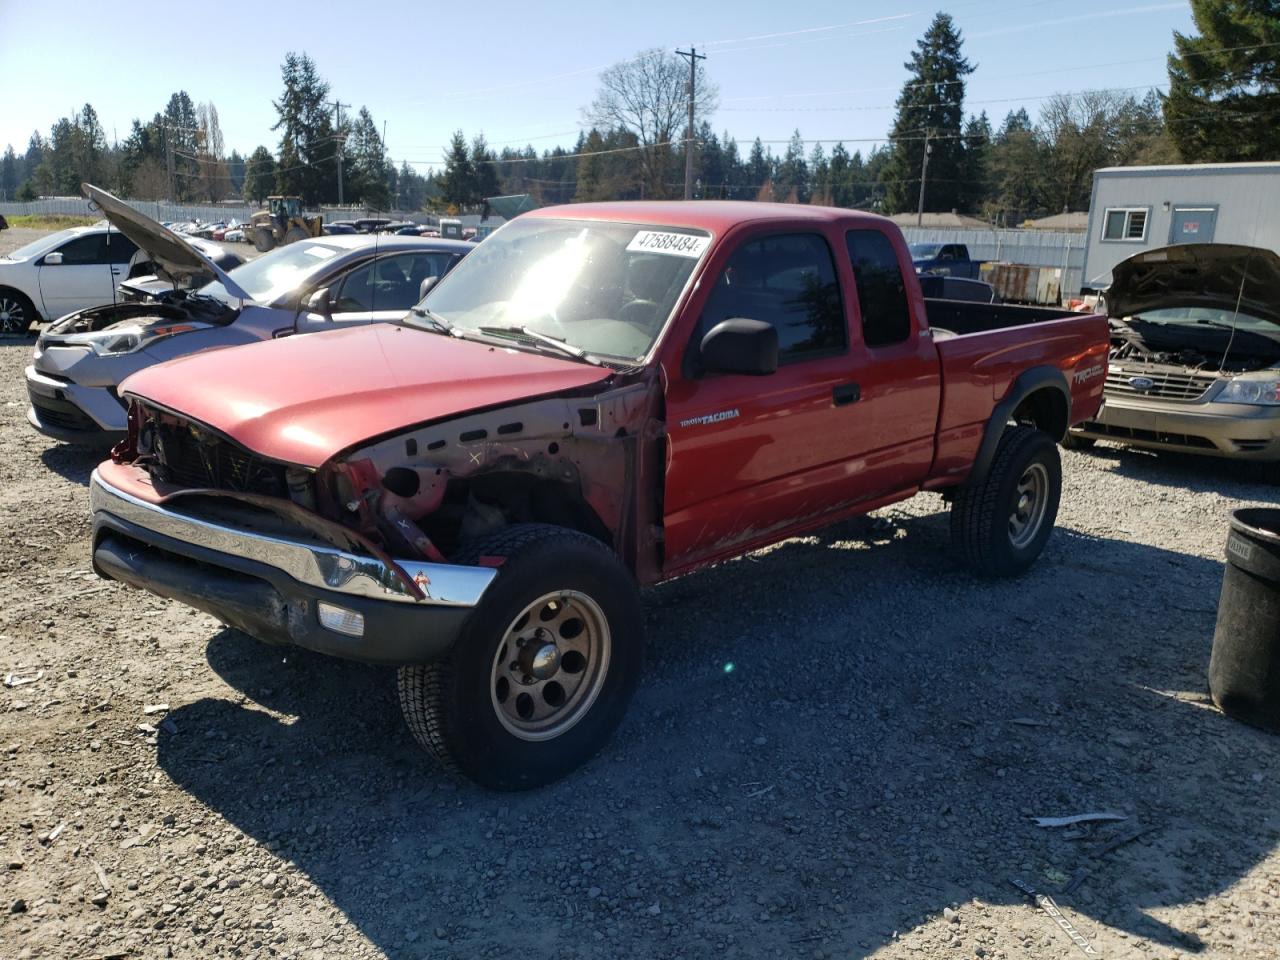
[[674, 244]]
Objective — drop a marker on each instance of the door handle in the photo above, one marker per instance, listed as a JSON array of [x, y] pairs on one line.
[[845, 394], [115, 271]]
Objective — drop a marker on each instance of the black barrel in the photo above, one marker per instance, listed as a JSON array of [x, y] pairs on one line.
[[1244, 668]]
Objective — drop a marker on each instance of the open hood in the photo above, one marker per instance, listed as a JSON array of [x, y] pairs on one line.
[[1198, 275], [173, 256]]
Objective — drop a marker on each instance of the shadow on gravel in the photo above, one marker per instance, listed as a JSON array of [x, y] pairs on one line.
[[72, 462], [1186, 470], [835, 740]]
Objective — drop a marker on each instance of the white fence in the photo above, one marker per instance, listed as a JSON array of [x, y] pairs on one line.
[[1037, 248]]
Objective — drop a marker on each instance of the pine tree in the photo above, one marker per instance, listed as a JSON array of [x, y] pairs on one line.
[[1017, 164], [486, 170], [976, 171], [819, 177], [259, 175], [931, 104], [1224, 85], [9, 174], [458, 182], [308, 143], [365, 169]]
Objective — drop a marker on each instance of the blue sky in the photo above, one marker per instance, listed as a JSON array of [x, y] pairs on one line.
[[522, 72]]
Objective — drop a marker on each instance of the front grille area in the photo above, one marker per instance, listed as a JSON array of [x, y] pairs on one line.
[[1165, 385], [185, 454], [1149, 436], [62, 414]]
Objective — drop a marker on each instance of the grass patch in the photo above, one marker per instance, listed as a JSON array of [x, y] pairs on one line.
[[51, 221]]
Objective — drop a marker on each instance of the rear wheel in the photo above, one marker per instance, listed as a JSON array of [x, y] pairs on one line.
[[263, 239], [294, 234], [17, 312], [1073, 441], [541, 675], [1001, 524]]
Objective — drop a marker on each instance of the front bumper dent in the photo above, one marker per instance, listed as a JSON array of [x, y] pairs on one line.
[[270, 587]]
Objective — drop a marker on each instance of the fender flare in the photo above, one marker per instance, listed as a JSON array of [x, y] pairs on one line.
[[1023, 386]]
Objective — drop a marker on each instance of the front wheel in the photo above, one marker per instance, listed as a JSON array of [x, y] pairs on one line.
[[1001, 524], [17, 313], [541, 674], [263, 239]]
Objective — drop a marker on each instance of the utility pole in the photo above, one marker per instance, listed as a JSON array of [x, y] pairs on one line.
[[694, 56], [342, 141], [924, 171], [168, 159]]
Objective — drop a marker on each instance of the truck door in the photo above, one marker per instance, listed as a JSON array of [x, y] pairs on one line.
[[751, 456]]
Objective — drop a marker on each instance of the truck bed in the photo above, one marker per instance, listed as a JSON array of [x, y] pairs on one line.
[[962, 317], [984, 347]]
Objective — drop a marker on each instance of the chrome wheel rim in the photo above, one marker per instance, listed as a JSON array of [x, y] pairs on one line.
[[550, 666], [1030, 500], [12, 317]]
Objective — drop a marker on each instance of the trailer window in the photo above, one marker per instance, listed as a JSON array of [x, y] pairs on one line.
[[1126, 223], [882, 293]]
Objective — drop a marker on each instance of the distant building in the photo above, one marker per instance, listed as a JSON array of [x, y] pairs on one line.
[[1063, 222], [1140, 208], [941, 221]]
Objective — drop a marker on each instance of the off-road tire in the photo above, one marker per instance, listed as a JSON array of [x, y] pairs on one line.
[[981, 513], [22, 302], [447, 704], [294, 234], [263, 239]]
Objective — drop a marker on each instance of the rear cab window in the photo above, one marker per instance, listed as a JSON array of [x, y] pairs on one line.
[[882, 291], [789, 282]]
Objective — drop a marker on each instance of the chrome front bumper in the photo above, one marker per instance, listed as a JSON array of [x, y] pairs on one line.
[[312, 564]]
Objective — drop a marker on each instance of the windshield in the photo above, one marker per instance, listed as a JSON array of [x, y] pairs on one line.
[[606, 288], [925, 251], [1210, 316], [36, 247], [276, 273]]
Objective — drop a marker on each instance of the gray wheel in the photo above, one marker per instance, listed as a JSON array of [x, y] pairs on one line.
[[541, 674], [1001, 523], [295, 234], [263, 239], [17, 313]]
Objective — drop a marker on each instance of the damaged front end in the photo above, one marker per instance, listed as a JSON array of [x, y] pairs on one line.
[[331, 558]]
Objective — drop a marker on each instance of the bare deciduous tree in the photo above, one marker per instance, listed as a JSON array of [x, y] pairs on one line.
[[647, 97]]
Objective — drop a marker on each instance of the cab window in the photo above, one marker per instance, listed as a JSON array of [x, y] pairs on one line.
[[882, 293], [788, 281]]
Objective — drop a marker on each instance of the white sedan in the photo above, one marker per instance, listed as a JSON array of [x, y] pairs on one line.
[[73, 270]]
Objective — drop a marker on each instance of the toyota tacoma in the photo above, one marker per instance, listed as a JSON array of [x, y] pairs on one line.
[[599, 398]]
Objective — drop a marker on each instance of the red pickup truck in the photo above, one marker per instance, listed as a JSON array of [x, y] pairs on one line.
[[600, 397]]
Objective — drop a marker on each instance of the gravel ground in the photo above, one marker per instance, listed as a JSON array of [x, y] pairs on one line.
[[835, 752]]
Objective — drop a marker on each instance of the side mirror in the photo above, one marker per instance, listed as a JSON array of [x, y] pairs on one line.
[[425, 287], [320, 303], [740, 346], [52, 259]]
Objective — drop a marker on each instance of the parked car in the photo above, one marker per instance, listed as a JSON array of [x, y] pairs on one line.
[[946, 259], [337, 229], [938, 287], [1195, 353], [600, 396], [311, 285], [370, 224], [71, 270], [234, 235]]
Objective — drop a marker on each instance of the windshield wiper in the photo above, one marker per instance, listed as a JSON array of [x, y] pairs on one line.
[[437, 322], [566, 348]]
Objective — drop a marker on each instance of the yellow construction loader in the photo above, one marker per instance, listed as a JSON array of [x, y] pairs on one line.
[[282, 222]]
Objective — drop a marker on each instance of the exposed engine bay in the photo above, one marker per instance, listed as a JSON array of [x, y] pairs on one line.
[[1199, 349], [429, 491], [177, 307]]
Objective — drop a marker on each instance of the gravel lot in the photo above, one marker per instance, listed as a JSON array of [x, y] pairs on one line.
[[835, 752]]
